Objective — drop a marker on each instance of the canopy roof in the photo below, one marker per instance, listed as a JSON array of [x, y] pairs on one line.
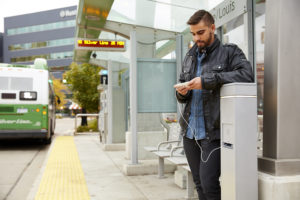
[[161, 17]]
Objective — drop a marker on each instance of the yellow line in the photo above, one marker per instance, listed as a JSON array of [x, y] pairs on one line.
[[63, 178]]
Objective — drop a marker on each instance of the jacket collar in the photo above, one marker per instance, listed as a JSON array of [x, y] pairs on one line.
[[206, 50]]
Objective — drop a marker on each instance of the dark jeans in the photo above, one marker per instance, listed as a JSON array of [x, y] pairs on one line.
[[205, 174]]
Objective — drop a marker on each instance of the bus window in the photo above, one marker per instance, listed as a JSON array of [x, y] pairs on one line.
[[21, 83], [3, 83]]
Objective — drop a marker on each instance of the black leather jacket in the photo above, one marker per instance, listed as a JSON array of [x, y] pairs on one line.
[[222, 64]]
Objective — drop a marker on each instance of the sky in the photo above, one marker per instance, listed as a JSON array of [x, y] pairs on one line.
[[19, 7]]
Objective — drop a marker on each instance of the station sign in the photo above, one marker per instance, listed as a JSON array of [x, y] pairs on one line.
[[100, 45], [228, 10]]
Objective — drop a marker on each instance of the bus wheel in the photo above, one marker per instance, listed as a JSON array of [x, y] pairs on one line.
[[48, 140], [52, 128]]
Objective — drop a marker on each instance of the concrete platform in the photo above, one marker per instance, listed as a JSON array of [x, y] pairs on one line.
[[114, 147], [104, 177], [146, 167], [278, 188]]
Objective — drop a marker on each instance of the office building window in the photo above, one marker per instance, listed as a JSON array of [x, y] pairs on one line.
[[34, 45], [59, 55], [42, 27]]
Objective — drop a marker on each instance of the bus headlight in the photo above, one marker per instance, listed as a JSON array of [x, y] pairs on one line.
[[28, 95]]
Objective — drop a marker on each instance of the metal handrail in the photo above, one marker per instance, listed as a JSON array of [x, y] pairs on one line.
[[165, 125], [174, 149], [167, 142]]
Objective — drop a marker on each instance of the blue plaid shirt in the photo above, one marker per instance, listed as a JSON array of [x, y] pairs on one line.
[[196, 128]]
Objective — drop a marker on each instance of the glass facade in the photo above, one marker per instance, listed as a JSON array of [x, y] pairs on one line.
[[260, 26], [233, 32], [59, 55], [42, 27], [156, 77], [34, 45]]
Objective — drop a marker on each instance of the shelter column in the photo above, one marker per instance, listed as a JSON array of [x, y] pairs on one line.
[[281, 138], [133, 97]]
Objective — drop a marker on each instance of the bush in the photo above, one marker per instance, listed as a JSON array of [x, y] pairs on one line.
[[93, 124], [58, 116], [82, 129], [91, 127]]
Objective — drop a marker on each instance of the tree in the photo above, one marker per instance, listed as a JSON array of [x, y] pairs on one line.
[[83, 81], [58, 87]]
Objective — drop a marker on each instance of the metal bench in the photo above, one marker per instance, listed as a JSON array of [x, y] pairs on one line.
[[177, 158], [164, 149], [190, 186], [182, 161]]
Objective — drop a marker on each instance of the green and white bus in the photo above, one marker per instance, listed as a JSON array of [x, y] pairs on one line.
[[27, 101]]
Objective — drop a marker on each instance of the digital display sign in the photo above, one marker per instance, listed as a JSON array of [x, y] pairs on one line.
[[100, 45]]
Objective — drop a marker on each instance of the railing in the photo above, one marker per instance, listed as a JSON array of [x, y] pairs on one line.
[[83, 115]]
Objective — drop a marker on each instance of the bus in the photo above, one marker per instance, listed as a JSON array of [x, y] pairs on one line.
[[27, 101]]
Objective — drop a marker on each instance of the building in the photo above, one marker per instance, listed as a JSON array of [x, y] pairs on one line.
[[47, 34], [1, 47]]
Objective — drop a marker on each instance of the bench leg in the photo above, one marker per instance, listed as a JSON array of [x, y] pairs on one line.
[[161, 167], [190, 186]]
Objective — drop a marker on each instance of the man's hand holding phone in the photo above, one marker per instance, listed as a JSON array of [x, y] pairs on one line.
[[183, 88]]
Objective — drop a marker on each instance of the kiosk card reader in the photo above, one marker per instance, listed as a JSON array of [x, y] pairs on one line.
[[239, 177]]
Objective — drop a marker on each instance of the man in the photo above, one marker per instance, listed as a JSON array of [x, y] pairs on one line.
[[206, 67]]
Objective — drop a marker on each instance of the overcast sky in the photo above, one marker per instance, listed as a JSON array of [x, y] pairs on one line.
[[18, 7]]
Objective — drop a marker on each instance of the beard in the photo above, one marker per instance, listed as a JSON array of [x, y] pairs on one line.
[[203, 44]]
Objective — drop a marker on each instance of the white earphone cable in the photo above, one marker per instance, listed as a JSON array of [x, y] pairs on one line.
[[193, 131]]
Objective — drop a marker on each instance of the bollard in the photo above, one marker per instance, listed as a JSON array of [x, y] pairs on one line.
[[239, 142]]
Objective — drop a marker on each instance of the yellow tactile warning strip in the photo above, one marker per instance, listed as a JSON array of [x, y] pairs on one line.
[[63, 178]]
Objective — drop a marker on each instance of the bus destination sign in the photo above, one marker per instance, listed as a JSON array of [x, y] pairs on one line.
[[100, 45]]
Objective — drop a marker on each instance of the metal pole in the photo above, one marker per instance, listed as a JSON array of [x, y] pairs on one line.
[[190, 185], [220, 33], [179, 60], [161, 167], [110, 102], [75, 131], [133, 97], [249, 21]]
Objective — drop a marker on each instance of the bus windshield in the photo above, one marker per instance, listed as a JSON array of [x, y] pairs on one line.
[[16, 83]]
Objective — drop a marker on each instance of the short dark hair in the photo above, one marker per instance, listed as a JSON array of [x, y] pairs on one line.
[[201, 15]]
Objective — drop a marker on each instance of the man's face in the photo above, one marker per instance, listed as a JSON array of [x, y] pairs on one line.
[[203, 35]]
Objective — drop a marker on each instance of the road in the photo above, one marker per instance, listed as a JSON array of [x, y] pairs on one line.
[[21, 161]]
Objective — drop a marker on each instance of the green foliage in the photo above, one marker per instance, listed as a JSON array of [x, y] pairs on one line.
[[83, 81], [58, 116], [58, 90], [92, 126], [82, 129]]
